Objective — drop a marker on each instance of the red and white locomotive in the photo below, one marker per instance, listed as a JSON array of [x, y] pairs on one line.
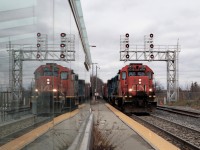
[[57, 88], [132, 89]]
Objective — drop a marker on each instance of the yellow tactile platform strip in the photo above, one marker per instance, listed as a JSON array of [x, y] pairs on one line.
[[29, 137], [152, 138]]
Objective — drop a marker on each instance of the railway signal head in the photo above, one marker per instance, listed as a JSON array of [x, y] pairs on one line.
[[62, 55], [63, 34], [38, 45], [127, 56], [38, 56], [151, 35], [127, 35], [152, 56], [151, 45], [38, 34], [62, 45], [127, 45]]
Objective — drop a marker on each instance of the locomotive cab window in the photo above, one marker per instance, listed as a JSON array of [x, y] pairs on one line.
[[131, 73], [55, 73], [141, 73], [149, 74], [64, 75], [50, 73], [47, 73], [123, 75]]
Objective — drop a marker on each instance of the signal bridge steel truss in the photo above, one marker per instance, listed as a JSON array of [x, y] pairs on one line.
[[39, 52], [150, 52]]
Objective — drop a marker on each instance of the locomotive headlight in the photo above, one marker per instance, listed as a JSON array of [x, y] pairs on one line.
[[150, 90], [55, 90], [48, 81], [130, 90], [140, 80], [36, 90]]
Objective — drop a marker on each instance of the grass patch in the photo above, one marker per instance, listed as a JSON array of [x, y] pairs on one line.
[[195, 104]]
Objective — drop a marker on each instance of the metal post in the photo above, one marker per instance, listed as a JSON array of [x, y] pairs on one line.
[[96, 85], [96, 80], [92, 85]]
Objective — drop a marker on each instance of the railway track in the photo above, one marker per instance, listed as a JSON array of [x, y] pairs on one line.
[[39, 121], [184, 137], [180, 111], [10, 114]]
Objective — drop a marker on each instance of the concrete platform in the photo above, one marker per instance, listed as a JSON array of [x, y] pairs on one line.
[[152, 138], [115, 131], [56, 134]]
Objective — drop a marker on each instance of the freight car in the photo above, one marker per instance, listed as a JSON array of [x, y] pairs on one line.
[[57, 89], [132, 89]]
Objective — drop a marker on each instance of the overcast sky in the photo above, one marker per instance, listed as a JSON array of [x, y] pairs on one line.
[[168, 20], [106, 20]]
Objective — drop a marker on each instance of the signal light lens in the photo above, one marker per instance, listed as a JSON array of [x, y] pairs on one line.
[[151, 45], [62, 45], [151, 35], [38, 34], [62, 34], [151, 56], [38, 45], [62, 56], [127, 35], [127, 45], [127, 56], [38, 56]]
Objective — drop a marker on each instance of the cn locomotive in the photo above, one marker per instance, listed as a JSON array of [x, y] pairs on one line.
[[57, 89], [132, 89]]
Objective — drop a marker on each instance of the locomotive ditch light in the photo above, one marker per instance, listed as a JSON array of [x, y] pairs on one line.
[[127, 45], [151, 35], [62, 45], [127, 35], [127, 56], [55, 90], [151, 45], [62, 55], [63, 34], [38, 34], [38, 45]]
